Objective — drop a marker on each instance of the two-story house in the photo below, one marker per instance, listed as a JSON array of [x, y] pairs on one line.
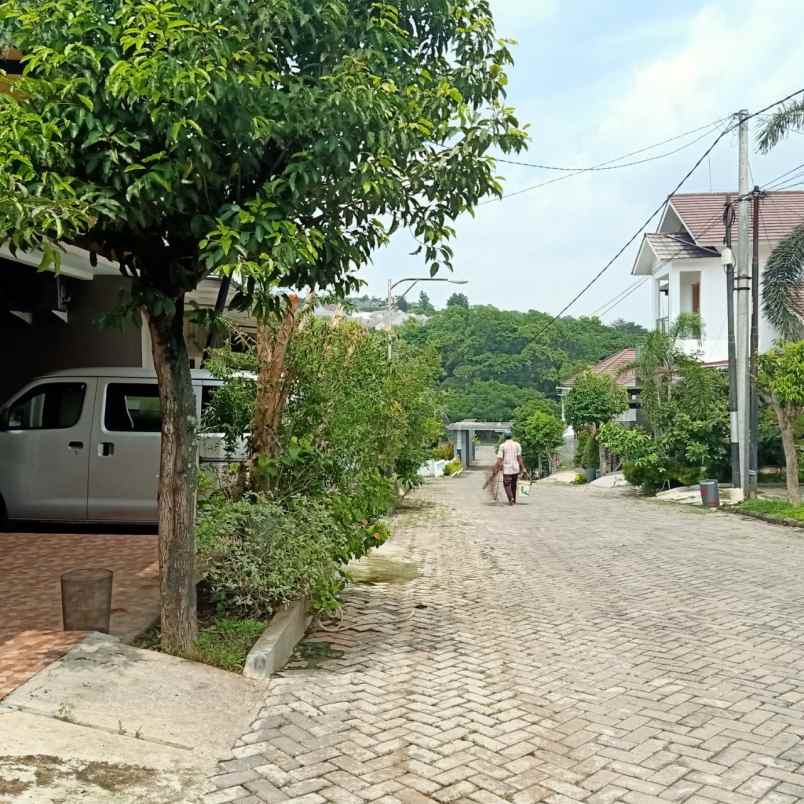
[[683, 265]]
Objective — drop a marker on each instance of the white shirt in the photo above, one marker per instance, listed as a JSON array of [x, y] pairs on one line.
[[509, 452]]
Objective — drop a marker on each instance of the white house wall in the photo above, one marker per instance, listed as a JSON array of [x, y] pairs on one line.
[[713, 346]]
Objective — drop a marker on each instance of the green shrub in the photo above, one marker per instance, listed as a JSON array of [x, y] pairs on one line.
[[591, 453], [453, 467], [444, 452], [581, 440], [257, 555]]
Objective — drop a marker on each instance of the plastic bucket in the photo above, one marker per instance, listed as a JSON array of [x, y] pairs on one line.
[[710, 493], [86, 599]]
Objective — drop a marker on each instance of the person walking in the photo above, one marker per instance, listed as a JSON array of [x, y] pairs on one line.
[[509, 460]]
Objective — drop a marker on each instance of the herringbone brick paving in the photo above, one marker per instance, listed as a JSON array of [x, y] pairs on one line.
[[577, 648]]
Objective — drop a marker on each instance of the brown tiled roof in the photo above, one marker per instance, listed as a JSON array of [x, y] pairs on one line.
[[702, 214], [675, 247], [619, 365]]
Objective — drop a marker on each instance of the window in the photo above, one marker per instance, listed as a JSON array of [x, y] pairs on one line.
[[132, 408], [53, 406]]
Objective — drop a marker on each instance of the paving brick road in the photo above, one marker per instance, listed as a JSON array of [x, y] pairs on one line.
[[577, 648]]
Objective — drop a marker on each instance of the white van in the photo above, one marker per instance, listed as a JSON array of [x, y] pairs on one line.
[[82, 445]]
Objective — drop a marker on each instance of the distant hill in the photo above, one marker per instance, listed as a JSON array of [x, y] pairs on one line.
[[495, 360]]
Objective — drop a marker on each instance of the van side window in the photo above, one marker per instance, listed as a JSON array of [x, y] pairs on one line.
[[132, 408], [207, 395], [53, 406]]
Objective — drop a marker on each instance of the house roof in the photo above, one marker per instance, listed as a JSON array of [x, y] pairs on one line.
[[692, 226], [670, 246], [620, 366], [702, 215]]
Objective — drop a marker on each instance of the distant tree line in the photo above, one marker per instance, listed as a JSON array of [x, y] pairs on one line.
[[495, 361]]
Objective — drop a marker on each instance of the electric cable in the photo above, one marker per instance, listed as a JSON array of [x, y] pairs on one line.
[[609, 164], [660, 207]]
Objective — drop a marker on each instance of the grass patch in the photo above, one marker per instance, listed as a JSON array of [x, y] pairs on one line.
[[225, 643], [776, 509], [222, 642]]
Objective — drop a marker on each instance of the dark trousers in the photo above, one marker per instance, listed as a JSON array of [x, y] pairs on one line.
[[510, 484]]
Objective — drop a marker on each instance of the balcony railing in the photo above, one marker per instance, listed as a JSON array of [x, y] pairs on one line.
[[663, 324]]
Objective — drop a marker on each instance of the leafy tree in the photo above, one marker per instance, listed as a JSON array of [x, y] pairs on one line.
[[593, 400], [458, 300], [781, 378], [688, 434], [279, 140], [424, 305], [483, 345], [402, 304], [487, 400], [540, 434]]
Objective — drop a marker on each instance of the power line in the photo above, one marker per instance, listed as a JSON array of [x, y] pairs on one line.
[[612, 303], [659, 208], [609, 164], [609, 306], [767, 185], [601, 166], [617, 295]]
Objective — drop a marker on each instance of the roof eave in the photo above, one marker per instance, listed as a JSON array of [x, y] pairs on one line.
[[646, 259]]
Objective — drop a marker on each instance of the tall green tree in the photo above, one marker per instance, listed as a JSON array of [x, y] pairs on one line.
[[280, 140], [781, 378], [458, 300], [424, 305], [593, 400], [540, 433], [493, 360]]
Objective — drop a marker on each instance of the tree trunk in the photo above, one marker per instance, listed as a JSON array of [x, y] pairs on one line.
[[786, 419], [272, 347], [177, 481]]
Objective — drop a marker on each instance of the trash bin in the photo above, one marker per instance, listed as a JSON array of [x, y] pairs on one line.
[[86, 599], [710, 493]]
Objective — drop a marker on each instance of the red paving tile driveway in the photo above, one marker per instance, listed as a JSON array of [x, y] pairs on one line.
[[31, 566]]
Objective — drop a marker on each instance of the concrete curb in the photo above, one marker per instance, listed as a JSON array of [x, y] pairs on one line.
[[272, 650]]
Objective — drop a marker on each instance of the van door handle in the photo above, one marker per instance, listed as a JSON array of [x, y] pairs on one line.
[[105, 449], [75, 445]]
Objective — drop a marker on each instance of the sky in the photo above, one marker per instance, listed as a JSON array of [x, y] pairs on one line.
[[594, 81]]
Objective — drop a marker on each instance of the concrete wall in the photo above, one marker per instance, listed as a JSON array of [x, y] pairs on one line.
[[49, 344]]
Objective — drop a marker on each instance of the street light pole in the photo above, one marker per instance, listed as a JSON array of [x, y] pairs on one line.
[[414, 280]]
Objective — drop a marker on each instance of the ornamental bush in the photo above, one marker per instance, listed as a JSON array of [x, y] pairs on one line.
[[257, 555]]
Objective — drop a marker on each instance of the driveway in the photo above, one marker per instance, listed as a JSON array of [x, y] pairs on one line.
[[32, 564], [580, 647]]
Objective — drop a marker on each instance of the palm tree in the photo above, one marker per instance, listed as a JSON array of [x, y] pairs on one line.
[[658, 362], [788, 118], [783, 286]]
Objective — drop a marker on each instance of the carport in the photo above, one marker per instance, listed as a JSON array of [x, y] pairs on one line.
[[462, 435]]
